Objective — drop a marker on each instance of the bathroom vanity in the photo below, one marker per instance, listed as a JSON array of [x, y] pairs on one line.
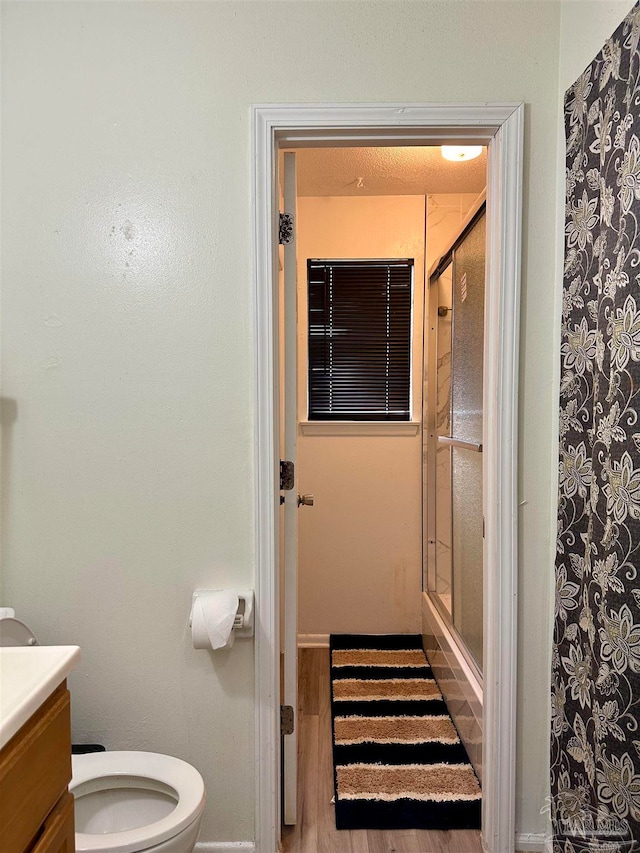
[[36, 808]]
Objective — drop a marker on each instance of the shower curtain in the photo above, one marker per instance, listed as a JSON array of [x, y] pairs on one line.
[[595, 739]]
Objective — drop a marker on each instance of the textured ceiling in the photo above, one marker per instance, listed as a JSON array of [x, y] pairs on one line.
[[413, 170]]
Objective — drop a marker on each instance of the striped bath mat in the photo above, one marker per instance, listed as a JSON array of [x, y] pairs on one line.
[[398, 760]]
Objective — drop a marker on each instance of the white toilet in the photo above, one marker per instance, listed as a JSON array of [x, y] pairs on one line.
[[127, 802]]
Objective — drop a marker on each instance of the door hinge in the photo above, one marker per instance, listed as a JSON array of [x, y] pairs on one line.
[[287, 475], [286, 720], [286, 229]]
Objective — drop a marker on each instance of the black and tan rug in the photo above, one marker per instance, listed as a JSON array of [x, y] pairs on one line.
[[398, 759]]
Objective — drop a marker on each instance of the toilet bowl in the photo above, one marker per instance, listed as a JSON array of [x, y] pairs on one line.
[[129, 802]]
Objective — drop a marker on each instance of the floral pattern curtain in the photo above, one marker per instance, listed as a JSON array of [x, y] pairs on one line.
[[595, 740]]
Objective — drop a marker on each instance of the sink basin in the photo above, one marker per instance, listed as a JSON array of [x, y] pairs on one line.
[[28, 676]]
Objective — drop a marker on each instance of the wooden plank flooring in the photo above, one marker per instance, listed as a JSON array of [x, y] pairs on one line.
[[316, 831]]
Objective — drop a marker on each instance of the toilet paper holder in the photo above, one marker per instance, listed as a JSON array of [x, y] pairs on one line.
[[243, 622]]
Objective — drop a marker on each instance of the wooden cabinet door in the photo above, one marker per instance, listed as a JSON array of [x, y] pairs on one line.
[[58, 834], [35, 769]]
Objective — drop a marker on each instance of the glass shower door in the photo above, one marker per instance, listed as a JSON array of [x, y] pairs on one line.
[[443, 508], [466, 438], [454, 455]]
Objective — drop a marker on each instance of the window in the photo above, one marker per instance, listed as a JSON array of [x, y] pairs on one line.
[[360, 340]]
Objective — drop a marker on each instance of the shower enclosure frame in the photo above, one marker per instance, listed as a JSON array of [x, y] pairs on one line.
[[430, 512], [501, 128]]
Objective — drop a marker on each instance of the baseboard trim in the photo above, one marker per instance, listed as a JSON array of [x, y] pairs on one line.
[[532, 842], [526, 842], [313, 641]]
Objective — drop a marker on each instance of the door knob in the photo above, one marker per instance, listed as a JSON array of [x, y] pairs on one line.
[[305, 500]]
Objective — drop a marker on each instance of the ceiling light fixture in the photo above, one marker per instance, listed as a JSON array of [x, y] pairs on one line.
[[460, 152]]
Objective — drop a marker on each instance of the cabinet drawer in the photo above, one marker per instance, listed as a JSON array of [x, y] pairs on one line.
[[58, 835], [35, 769]]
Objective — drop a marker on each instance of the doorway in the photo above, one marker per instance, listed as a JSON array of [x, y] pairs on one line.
[[501, 128], [370, 224]]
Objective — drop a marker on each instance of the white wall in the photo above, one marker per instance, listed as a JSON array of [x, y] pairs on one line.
[[127, 331], [360, 546], [585, 25]]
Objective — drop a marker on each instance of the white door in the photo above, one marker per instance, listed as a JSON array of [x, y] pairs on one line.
[[290, 544]]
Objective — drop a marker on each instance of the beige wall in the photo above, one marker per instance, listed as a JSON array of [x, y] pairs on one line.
[[360, 546], [127, 331]]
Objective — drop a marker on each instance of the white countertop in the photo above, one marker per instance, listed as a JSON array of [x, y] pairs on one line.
[[28, 676]]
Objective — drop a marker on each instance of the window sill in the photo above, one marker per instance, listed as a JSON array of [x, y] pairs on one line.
[[359, 427]]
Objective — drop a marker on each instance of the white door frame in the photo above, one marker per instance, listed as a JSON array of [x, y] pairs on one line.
[[501, 126]]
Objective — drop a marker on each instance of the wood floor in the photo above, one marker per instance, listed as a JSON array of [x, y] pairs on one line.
[[315, 831]]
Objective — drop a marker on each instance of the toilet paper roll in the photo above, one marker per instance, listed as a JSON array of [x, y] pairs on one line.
[[212, 619]]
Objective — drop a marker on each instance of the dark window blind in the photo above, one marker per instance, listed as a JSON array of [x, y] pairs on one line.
[[360, 340]]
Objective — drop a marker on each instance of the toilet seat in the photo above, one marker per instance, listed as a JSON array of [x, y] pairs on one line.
[[170, 772]]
